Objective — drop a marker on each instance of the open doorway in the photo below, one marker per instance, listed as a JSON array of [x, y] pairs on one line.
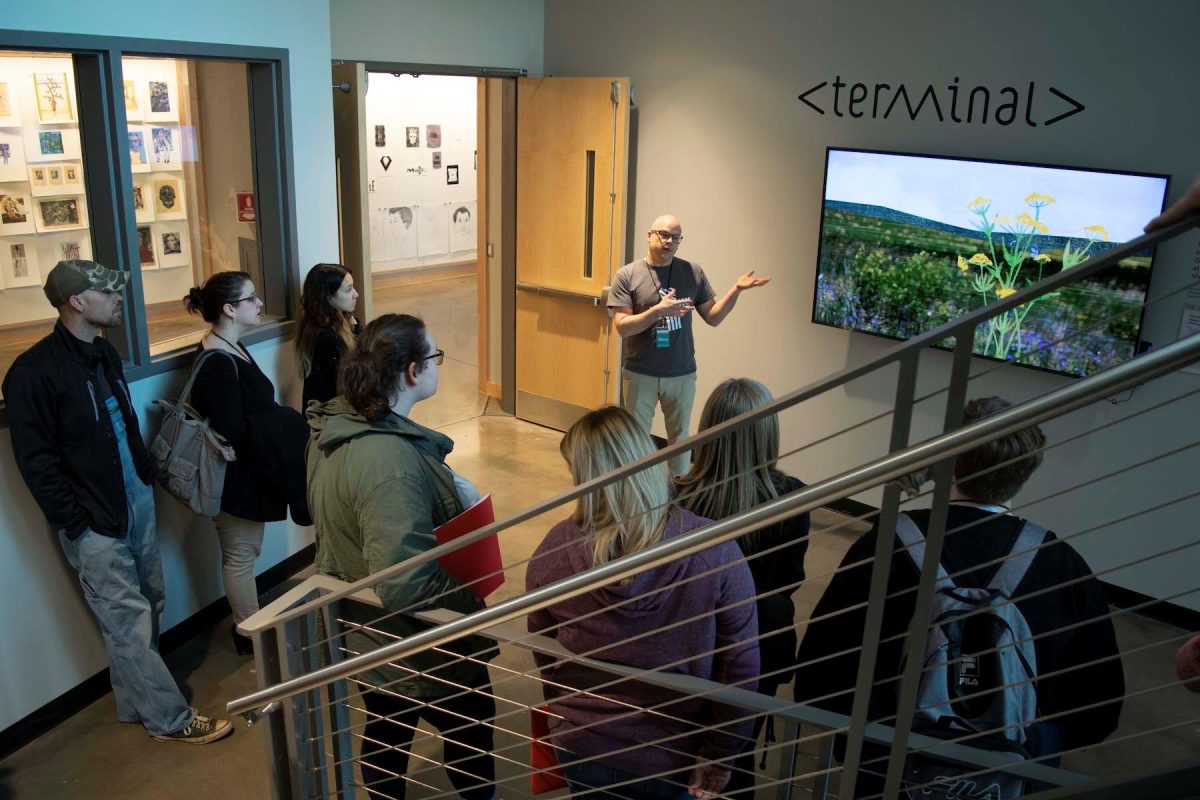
[[422, 166]]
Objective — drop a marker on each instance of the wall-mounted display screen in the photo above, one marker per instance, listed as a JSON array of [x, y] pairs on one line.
[[910, 242]]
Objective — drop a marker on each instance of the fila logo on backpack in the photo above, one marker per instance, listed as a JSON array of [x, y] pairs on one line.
[[978, 678]]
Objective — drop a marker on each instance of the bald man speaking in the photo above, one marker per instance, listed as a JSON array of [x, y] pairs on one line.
[[652, 301]]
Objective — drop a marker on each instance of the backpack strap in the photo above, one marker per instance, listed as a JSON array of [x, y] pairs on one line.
[[914, 541], [1012, 571], [186, 394]]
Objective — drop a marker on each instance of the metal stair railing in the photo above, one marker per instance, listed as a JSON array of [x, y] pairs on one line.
[[274, 631]]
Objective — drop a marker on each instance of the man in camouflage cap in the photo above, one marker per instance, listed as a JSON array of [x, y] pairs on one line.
[[77, 445]]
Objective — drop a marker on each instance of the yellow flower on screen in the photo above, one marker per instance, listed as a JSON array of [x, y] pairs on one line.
[[981, 260], [1042, 258], [1100, 231], [1040, 227], [979, 202], [1036, 199], [962, 264], [1005, 291], [1025, 219]]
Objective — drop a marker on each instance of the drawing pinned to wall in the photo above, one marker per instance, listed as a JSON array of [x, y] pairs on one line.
[[437, 159], [20, 264], [451, 174], [8, 107], [433, 232], [51, 144], [385, 162], [133, 110], [61, 213], [380, 136], [172, 242], [412, 136], [168, 199], [399, 234], [433, 135], [53, 97], [12, 156], [139, 161], [16, 213], [462, 226], [146, 256]]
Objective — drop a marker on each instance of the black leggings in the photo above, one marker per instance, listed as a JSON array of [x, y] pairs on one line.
[[472, 772]]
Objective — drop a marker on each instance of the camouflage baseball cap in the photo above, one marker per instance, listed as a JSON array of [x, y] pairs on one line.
[[69, 278]]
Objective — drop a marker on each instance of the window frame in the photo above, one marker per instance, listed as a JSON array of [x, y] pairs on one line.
[[97, 63]]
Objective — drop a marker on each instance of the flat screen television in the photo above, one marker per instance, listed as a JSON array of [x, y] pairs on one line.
[[909, 242]]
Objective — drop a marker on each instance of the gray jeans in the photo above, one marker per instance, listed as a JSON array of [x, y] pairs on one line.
[[642, 393], [241, 543]]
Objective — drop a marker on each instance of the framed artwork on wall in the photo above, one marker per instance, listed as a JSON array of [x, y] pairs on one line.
[[51, 144], [162, 103], [451, 174], [64, 246], [53, 95], [168, 199], [143, 203], [60, 213], [20, 263], [166, 143], [171, 244], [9, 116], [16, 211], [12, 156], [139, 157], [146, 254], [133, 108]]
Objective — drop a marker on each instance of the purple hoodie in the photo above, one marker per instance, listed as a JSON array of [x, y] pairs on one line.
[[722, 621]]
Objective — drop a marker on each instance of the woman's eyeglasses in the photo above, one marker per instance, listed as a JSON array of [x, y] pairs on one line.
[[438, 357]]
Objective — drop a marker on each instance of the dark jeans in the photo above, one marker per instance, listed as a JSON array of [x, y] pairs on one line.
[[472, 772], [586, 775]]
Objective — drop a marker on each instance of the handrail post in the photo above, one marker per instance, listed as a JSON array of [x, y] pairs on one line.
[[339, 714], [906, 387], [267, 664], [307, 738], [943, 477]]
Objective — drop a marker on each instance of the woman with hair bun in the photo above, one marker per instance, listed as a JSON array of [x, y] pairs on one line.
[[239, 402], [327, 329], [378, 486]]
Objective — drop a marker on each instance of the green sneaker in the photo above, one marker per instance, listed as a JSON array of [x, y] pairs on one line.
[[201, 730]]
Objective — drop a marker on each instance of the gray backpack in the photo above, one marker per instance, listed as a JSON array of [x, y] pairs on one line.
[[979, 675]]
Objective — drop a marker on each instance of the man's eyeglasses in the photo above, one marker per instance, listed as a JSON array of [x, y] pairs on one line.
[[667, 236], [438, 356]]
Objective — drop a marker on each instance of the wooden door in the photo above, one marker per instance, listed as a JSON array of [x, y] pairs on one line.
[[572, 141], [350, 147]]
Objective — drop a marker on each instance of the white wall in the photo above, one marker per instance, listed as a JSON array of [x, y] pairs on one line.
[[473, 33], [60, 646], [724, 143], [417, 178]]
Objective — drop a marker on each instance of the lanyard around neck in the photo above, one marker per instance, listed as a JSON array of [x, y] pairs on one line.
[[658, 287]]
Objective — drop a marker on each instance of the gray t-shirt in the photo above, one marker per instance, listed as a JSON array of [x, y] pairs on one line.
[[636, 287]]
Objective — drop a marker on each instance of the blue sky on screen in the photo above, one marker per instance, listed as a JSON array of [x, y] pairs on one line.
[[940, 189]]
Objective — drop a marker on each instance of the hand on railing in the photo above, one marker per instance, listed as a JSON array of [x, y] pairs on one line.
[[1188, 204], [707, 781]]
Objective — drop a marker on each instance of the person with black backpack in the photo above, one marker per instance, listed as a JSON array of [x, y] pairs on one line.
[[1022, 656]]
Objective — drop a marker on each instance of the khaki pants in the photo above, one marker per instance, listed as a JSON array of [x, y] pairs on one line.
[[641, 393]]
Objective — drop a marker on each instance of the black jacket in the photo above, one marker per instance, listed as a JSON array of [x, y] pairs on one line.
[[321, 383], [1073, 635], [62, 437]]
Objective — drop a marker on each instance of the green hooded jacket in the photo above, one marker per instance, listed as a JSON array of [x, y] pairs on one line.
[[376, 492]]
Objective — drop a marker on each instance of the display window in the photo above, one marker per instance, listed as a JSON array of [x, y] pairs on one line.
[[186, 178], [43, 205]]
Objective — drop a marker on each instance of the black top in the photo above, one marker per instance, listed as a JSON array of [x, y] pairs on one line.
[[229, 397], [777, 575], [1056, 563], [62, 437], [321, 383]]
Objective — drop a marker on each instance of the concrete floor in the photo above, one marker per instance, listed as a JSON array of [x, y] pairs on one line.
[[92, 756]]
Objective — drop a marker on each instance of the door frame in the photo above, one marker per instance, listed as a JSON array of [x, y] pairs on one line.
[[503, 256]]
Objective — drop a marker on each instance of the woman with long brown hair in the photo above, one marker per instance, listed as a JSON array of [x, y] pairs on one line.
[[378, 486], [326, 329], [735, 473]]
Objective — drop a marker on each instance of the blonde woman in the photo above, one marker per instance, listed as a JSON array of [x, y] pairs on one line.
[[635, 623], [733, 474]]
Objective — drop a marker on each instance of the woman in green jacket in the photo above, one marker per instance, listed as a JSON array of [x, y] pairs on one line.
[[378, 486]]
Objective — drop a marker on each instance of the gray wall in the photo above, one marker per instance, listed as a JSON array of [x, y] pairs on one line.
[[723, 142], [474, 33]]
